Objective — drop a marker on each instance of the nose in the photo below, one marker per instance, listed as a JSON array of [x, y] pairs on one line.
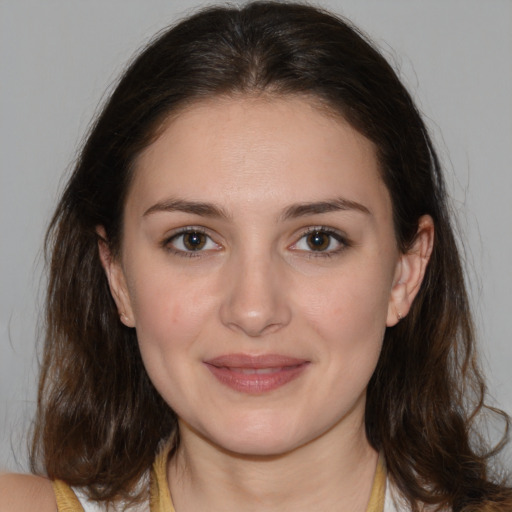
[[255, 294]]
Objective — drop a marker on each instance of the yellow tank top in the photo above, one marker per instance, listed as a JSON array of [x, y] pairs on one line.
[[160, 498]]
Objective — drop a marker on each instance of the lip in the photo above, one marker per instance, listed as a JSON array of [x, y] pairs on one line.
[[256, 374]]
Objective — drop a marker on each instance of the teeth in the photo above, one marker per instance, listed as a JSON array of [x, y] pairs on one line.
[[257, 371]]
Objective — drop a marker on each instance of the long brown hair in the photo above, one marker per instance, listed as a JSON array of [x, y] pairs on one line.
[[100, 420]]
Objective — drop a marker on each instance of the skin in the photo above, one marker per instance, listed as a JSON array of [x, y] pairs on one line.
[[19, 493], [259, 286]]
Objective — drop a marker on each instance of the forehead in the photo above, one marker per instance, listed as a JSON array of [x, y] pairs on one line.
[[252, 149]]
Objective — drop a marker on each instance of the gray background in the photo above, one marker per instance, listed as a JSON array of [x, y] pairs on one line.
[[57, 58]]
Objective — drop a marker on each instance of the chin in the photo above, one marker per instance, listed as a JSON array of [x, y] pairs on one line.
[[257, 439], [263, 446]]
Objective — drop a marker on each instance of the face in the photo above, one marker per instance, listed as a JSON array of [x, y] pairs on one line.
[[259, 268]]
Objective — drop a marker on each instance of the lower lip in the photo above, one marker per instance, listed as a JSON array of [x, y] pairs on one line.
[[259, 382]]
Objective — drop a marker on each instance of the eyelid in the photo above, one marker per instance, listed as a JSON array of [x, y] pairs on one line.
[[338, 235], [166, 243]]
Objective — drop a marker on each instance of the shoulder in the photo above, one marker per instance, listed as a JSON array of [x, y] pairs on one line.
[[26, 492]]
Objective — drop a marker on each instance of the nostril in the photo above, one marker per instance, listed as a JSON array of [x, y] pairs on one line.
[[268, 318], [254, 327]]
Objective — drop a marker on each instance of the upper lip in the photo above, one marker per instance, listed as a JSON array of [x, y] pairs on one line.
[[255, 361]]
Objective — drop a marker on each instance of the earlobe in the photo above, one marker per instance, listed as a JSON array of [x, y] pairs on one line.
[[116, 279], [410, 271]]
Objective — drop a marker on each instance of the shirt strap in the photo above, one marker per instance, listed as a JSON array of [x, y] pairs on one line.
[[378, 494], [66, 498], [160, 497]]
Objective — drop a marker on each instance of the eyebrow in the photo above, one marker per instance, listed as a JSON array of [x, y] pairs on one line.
[[291, 212], [315, 208], [180, 205]]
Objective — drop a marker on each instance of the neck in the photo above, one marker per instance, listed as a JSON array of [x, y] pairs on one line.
[[333, 472]]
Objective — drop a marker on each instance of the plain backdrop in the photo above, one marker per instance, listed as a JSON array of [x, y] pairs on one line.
[[58, 57]]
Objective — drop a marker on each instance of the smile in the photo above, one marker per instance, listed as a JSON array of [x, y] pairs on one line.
[[256, 374]]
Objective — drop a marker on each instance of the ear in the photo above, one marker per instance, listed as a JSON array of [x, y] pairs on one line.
[[116, 279], [410, 271]]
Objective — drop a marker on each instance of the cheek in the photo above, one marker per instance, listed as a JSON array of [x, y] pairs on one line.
[[350, 305], [348, 318], [171, 318], [168, 312]]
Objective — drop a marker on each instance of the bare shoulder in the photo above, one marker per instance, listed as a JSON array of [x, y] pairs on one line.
[[26, 492]]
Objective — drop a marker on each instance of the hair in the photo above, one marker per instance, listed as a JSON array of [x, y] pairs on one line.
[[100, 420]]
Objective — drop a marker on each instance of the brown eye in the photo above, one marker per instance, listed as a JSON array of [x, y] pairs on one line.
[[190, 242], [321, 242], [194, 241], [318, 240]]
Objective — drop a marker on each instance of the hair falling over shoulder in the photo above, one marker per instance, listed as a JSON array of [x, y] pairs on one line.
[[100, 420]]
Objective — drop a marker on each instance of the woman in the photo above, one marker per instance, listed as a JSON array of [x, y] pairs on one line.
[[255, 289]]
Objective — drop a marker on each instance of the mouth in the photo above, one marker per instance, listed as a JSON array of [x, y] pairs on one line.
[[256, 374]]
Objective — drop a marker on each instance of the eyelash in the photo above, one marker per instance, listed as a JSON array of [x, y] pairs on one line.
[[333, 234], [323, 230], [167, 242]]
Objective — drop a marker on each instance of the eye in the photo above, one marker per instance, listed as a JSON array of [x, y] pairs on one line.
[[321, 240], [189, 241]]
